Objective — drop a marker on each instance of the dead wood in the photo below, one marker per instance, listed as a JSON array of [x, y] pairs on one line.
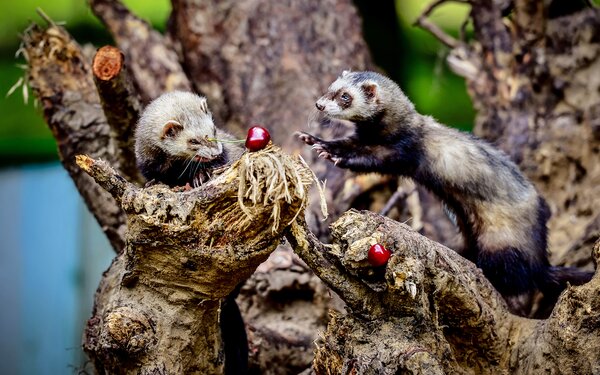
[[62, 82], [151, 57], [430, 311], [157, 307], [120, 103]]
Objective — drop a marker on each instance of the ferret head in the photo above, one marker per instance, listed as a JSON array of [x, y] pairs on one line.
[[361, 96], [180, 124]]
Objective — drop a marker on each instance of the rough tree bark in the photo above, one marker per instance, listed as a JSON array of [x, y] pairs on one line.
[[158, 310], [430, 311], [61, 80], [535, 84]]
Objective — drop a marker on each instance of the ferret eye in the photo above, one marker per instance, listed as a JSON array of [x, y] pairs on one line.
[[345, 97]]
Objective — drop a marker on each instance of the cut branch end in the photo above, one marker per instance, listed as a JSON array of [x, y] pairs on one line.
[[108, 63]]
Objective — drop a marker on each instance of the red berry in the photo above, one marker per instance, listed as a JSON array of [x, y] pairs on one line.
[[378, 255], [258, 137]]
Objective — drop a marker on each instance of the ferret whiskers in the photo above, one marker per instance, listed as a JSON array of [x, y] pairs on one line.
[[187, 166], [311, 118]]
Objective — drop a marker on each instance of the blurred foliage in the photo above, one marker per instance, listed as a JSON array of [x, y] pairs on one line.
[[415, 59], [428, 81], [409, 55], [24, 136]]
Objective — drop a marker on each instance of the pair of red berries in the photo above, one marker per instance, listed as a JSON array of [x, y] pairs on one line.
[[258, 138]]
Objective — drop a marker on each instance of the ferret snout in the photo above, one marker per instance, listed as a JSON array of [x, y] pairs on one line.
[[320, 106]]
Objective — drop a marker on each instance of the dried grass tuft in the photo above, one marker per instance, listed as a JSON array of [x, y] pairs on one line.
[[271, 177]]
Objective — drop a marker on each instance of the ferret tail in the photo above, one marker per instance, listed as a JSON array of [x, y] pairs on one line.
[[556, 282], [558, 277], [571, 275]]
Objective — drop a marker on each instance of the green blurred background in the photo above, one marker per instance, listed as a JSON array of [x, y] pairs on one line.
[[24, 136], [409, 55]]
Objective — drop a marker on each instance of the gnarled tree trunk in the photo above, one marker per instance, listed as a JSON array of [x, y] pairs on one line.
[[534, 82]]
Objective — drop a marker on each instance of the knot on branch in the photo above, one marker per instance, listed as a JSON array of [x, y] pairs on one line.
[[128, 330]]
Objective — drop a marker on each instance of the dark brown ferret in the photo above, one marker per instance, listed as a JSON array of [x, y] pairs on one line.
[[501, 215]]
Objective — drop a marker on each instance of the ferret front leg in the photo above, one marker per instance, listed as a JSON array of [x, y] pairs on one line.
[[359, 163], [336, 150]]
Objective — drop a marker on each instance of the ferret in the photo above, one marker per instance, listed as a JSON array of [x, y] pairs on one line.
[[177, 142], [500, 214]]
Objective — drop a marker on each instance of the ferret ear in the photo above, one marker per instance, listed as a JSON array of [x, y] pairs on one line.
[[203, 105], [171, 129], [345, 73], [369, 88]]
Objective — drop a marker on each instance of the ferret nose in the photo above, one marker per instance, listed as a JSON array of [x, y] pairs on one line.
[[320, 107]]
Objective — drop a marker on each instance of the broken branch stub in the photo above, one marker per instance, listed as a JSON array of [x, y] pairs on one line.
[[61, 79], [120, 104], [184, 252], [431, 311]]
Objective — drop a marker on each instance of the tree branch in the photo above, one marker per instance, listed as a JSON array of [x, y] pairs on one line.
[[430, 306], [153, 62], [203, 244], [105, 176], [120, 104], [61, 79], [322, 261], [437, 32]]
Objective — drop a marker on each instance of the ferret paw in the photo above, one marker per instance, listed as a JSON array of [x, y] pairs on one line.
[[322, 151], [306, 138]]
